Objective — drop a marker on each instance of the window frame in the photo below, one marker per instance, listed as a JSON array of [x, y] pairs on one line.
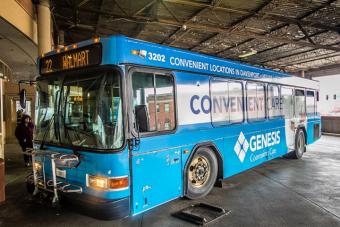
[[132, 122], [251, 120], [218, 125]]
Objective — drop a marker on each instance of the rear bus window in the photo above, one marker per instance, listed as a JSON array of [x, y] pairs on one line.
[[310, 103]]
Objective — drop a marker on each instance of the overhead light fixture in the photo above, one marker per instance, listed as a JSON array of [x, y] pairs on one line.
[[247, 54]]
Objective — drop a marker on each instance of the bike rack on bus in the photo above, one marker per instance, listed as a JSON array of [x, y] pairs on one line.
[[64, 161]]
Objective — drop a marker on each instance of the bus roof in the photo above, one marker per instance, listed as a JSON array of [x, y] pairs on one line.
[[120, 49], [132, 51]]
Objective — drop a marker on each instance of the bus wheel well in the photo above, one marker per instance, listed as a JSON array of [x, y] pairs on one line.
[[218, 155]]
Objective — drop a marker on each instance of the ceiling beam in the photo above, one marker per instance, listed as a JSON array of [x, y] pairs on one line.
[[216, 29], [292, 55], [183, 27], [259, 15], [324, 71], [144, 7], [99, 18], [321, 6], [234, 25]]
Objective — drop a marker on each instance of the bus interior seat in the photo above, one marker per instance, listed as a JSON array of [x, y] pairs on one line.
[[142, 118]]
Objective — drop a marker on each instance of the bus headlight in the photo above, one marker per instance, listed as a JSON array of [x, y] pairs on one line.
[[106, 183], [37, 167]]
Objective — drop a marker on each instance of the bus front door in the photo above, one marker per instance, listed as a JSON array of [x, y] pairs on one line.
[[156, 161], [156, 173]]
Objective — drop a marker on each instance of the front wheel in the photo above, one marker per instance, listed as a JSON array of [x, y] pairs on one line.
[[201, 173]]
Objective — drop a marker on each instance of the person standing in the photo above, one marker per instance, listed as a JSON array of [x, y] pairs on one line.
[[24, 134]]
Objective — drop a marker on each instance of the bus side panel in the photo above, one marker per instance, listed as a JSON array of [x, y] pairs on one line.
[[248, 145], [278, 149], [313, 129]]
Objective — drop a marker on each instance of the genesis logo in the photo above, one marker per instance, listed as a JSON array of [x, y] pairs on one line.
[[257, 142], [241, 147]]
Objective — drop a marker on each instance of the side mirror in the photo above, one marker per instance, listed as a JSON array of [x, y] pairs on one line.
[[22, 95]]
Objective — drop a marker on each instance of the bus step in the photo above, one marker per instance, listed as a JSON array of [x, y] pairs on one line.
[[201, 213]]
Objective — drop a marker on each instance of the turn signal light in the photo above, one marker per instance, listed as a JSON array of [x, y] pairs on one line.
[[118, 183], [105, 183]]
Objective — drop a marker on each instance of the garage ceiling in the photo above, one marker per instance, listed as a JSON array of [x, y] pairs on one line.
[[286, 35]]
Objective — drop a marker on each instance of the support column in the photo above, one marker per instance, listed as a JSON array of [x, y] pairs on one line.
[[303, 74], [2, 132], [44, 27], [2, 162]]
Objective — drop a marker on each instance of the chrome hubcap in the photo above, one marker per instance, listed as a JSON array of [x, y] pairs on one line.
[[199, 171]]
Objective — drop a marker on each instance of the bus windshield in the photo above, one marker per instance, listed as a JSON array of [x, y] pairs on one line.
[[82, 111]]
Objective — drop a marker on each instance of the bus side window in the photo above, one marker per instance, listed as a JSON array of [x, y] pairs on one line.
[[300, 103], [236, 102], [153, 101], [287, 102], [310, 103], [220, 102], [165, 99], [227, 102], [273, 101], [256, 101]]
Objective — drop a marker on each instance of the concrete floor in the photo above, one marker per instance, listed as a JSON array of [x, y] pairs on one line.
[[281, 192]]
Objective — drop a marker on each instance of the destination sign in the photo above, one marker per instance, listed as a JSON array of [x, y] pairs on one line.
[[73, 59]]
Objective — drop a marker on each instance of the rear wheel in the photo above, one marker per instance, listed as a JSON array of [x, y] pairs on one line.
[[300, 145], [201, 173]]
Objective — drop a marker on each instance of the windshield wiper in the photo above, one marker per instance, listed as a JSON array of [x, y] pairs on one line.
[[51, 121]]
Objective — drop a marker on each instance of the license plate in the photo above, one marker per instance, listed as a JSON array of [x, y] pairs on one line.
[[60, 173]]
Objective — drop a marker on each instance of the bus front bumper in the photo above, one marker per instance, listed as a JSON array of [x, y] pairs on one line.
[[97, 207], [89, 205]]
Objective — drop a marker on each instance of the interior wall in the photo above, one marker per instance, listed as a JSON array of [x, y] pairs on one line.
[[2, 137], [11, 96]]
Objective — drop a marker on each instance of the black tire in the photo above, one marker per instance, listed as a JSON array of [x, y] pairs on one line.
[[300, 145], [201, 173]]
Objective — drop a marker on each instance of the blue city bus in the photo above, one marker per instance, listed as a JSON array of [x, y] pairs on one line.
[[123, 125]]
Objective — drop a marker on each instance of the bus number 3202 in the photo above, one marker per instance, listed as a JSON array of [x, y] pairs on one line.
[[156, 57]]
